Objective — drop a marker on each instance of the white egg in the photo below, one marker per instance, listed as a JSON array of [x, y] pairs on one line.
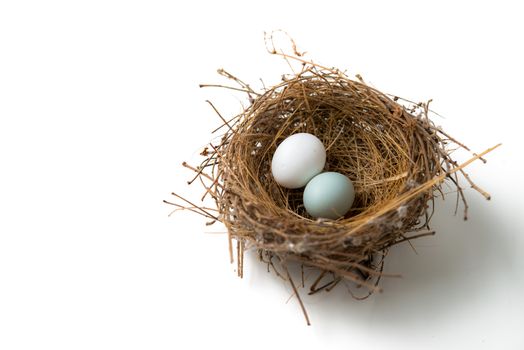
[[297, 160]]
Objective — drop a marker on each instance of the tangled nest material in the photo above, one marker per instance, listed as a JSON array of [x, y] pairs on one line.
[[396, 157]]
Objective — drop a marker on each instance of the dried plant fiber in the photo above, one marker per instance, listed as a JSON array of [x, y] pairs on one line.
[[397, 158]]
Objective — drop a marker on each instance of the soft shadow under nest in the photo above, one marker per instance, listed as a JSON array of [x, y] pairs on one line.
[[396, 157]]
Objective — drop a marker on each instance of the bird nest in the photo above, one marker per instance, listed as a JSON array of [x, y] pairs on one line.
[[397, 158]]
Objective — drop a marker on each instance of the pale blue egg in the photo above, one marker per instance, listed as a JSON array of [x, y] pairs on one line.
[[329, 195]]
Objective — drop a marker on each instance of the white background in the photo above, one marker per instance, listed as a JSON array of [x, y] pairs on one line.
[[99, 105]]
